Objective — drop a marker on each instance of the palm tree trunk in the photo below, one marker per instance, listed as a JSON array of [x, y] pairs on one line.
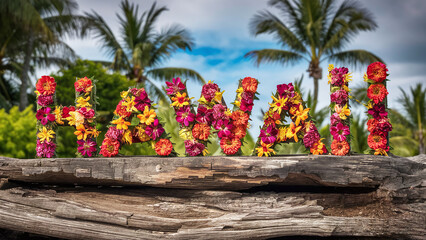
[[315, 90], [23, 96]]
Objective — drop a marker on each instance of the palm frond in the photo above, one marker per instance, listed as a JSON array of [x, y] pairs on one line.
[[130, 24], [151, 17], [274, 55], [168, 73], [355, 58]]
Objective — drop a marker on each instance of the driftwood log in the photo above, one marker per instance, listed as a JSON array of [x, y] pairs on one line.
[[358, 196]]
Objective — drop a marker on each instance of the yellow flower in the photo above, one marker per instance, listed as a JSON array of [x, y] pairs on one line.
[[81, 132], [330, 67], [348, 77], [300, 114], [75, 118], [228, 112], [37, 93], [185, 134], [121, 123], [380, 152], [278, 104], [317, 149], [343, 112], [205, 152], [292, 132], [148, 116], [239, 91], [202, 100], [141, 134], [282, 131], [127, 136], [237, 103], [129, 103], [58, 115], [83, 102], [218, 96], [124, 94], [265, 149], [346, 89], [45, 134], [365, 77], [94, 132], [180, 100]]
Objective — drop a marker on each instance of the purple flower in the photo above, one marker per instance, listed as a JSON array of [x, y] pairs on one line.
[[45, 149], [269, 135], [114, 134], [339, 132], [378, 111], [86, 147], [285, 90], [209, 90], [45, 100], [204, 115], [154, 130], [175, 86], [193, 148], [340, 97], [44, 115], [185, 116]]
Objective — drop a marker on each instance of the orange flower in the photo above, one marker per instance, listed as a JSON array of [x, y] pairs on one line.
[[377, 72], [239, 131], [180, 100], [81, 132], [272, 118], [109, 147], [83, 85], [300, 114], [240, 118], [201, 131], [376, 141], [377, 92], [230, 146], [121, 123], [265, 149], [292, 131], [282, 132], [163, 147], [148, 116], [340, 148], [139, 132], [46, 85], [249, 84], [318, 148], [121, 110], [279, 104]]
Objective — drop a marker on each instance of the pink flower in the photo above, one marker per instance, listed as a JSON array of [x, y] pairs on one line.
[[378, 111], [338, 76], [185, 116], [219, 112], [204, 115], [114, 134], [66, 111], [383, 125], [141, 99], [175, 86], [285, 90], [87, 147], [340, 97], [246, 101], [87, 113], [334, 119], [339, 132], [209, 90], [45, 100], [44, 115], [193, 148], [270, 135], [154, 130], [311, 136], [45, 149], [224, 127]]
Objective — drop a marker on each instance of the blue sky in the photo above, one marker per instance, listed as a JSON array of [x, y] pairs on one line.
[[221, 32]]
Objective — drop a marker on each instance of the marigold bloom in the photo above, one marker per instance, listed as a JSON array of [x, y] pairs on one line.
[[279, 104], [265, 149], [163, 147], [300, 114], [240, 118], [201, 131], [83, 102], [83, 85], [109, 147], [180, 100], [81, 132], [239, 131], [45, 134], [148, 116], [121, 110], [377, 140], [292, 132], [339, 148], [46, 85], [249, 84], [377, 72], [230, 146], [377, 92], [121, 123]]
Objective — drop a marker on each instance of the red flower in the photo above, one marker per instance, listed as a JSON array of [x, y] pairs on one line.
[[377, 92], [377, 72], [240, 118], [66, 111], [163, 147], [230, 146], [201, 131], [239, 131], [377, 140], [339, 148], [249, 84], [121, 110], [83, 85], [46, 85], [372, 124], [109, 147], [44, 115]]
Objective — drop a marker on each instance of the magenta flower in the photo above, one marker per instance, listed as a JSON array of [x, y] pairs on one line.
[[204, 115], [338, 76], [285, 90], [114, 134], [335, 119], [339, 132], [87, 147], [383, 125], [45, 149], [87, 113], [184, 115], [340, 97], [224, 126], [175, 86], [154, 130], [141, 99], [378, 111], [44, 115], [193, 148], [209, 90], [45, 100], [219, 112], [246, 101], [269, 135], [311, 136]]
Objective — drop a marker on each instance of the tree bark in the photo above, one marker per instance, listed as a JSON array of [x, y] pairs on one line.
[[23, 95]]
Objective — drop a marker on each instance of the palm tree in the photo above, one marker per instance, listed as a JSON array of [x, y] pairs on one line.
[[141, 49], [315, 31], [36, 30]]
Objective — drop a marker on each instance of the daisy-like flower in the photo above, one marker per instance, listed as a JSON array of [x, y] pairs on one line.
[[86, 148], [286, 90], [240, 118], [175, 86], [154, 130], [377, 92], [45, 100], [81, 132], [201, 131], [45, 135], [230, 146], [378, 111], [121, 110], [299, 113], [377, 72], [184, 116], [148, 116], [44, 115], [224, 127], [340, 148], [339, 132], [193, 148], [204, 115], [180, 100], [279, 104], [109, 147], [121, 123], [249, 84], [268, 135], [265, 149], [46, 85], [163, 147], [140, 134], [83, 102], [83, 85], [377, 140], [129, 103], [292, 132]]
